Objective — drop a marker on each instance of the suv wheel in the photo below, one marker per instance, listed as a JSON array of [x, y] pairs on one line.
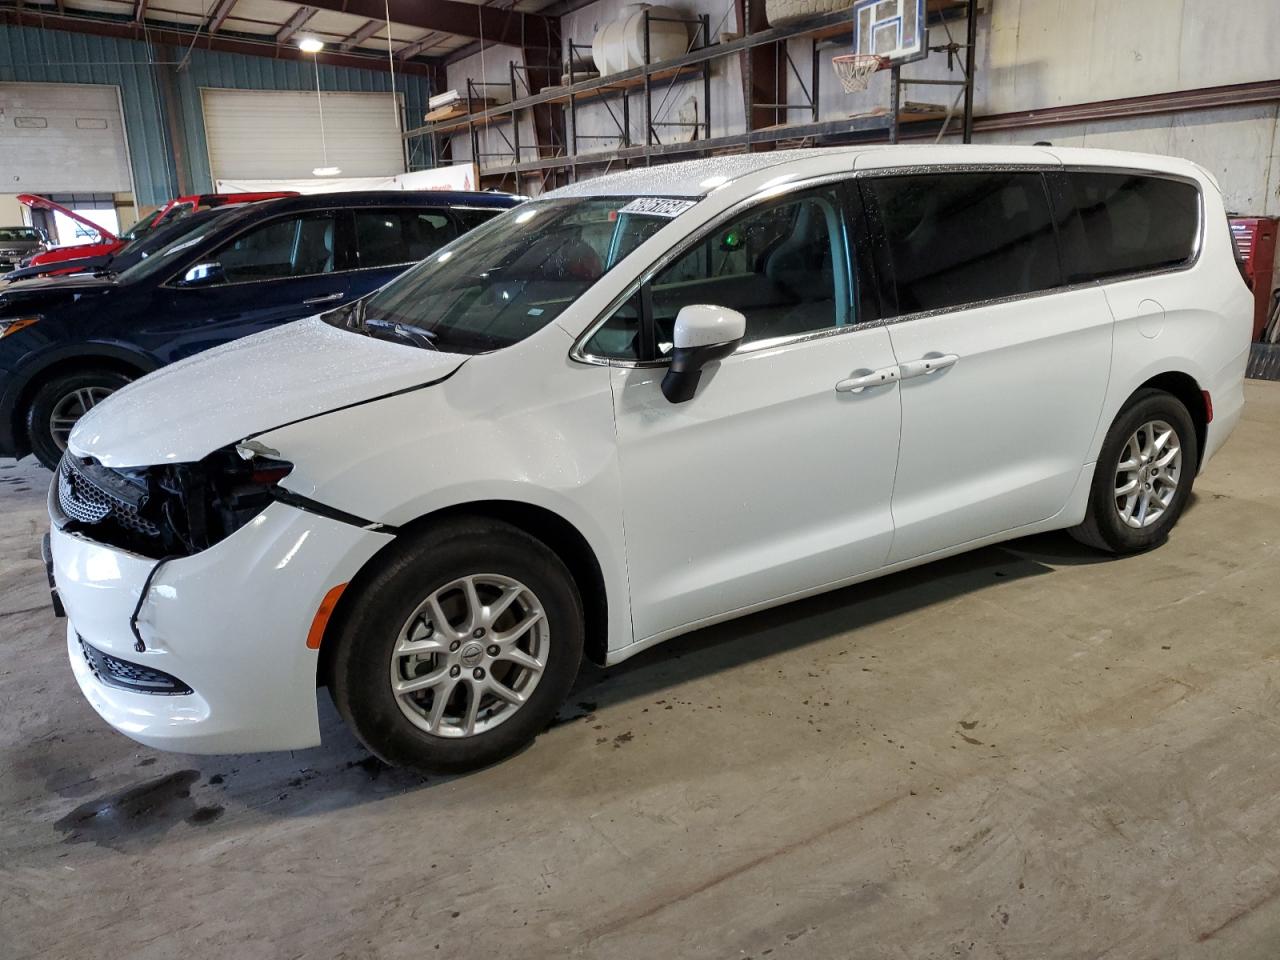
[[59, 403], [1143, 477], [459, 650]]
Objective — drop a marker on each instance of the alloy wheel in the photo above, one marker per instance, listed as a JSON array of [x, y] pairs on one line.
[[1148, 474], [470, 655], [70, 408]]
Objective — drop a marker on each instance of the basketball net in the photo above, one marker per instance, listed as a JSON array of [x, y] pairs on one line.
[[855, 69]]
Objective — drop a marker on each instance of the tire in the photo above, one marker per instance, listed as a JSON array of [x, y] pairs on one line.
[[1105, 526], [65, 394], [393, 604]]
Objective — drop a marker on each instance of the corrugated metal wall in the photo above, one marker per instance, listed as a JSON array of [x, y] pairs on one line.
[[28, 54], [213, 69], [52, 56]]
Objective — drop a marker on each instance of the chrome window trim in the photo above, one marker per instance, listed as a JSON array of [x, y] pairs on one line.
[[579, 354]]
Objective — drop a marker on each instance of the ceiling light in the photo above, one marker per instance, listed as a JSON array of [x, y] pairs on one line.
[[326, 171], [310, 45]]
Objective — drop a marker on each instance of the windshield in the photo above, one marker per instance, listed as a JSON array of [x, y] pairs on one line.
[[139, 229], [19, 233], [172, 255], [511, 277]]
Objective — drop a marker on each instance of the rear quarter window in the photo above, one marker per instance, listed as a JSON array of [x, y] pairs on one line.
[[1130, 223]]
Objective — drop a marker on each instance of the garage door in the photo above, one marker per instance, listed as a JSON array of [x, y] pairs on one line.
[[62, 138], [268, 135]]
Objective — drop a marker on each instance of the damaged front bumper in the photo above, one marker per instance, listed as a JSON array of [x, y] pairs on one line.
[[229, 623]]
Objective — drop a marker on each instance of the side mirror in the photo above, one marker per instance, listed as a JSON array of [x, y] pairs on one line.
[[704, 334], [203, 275]]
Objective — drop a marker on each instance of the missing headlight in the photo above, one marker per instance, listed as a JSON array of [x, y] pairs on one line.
[[169, 510]]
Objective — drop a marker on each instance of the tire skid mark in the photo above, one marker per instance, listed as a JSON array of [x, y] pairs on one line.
[[657, 907]]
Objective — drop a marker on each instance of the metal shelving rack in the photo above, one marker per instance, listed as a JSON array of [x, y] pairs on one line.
[[693, 65]]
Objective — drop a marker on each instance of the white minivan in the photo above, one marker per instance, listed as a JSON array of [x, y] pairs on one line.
[[639, 405]]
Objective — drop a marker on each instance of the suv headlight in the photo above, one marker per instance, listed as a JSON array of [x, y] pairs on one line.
[[10, 325]]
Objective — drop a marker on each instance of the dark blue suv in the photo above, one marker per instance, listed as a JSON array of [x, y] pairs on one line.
[[67, 342]]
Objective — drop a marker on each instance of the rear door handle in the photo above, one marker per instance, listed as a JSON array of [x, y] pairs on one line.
[[876, 378], [927, 365], [328, 299]]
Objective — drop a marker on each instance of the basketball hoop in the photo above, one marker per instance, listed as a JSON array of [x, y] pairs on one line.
[[855, 69]]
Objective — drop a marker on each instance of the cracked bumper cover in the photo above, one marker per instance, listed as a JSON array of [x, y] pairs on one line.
[[231, 622]]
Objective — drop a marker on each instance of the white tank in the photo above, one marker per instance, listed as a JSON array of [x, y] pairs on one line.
[[619, 44]]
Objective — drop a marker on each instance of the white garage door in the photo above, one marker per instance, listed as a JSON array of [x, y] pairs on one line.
[[62, 138], [269, 135]]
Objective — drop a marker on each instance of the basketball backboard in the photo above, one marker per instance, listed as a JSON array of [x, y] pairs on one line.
[[890, 28]]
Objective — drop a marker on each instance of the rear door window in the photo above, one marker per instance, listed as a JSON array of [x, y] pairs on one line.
[[1129, 223], [400, 235], [952, 239]]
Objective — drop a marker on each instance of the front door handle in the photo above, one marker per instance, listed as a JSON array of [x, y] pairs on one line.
[[327, 299], [876, 378], [927, 365]]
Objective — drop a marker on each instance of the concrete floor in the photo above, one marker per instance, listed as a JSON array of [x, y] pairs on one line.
[[1026, 752]]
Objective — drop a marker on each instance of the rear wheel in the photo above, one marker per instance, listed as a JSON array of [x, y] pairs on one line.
[[1143, 477], [459, 650], [60, 402]]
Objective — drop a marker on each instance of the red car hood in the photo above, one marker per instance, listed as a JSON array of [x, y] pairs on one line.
[[107, 242], [41, 203]]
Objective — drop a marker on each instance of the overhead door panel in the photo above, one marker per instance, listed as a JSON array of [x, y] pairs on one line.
[[62, 138], [275, 134]]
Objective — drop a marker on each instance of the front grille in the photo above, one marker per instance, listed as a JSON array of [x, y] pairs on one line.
[[127, 675], [83, 499]]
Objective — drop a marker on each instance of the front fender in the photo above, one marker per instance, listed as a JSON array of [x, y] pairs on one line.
[[524, 425]]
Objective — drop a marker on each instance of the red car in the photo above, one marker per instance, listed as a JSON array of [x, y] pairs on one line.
[[108, 242]]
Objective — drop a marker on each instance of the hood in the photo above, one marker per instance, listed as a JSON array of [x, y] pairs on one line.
[[42, 203], [184, 411], [40, 291], [65, 268]]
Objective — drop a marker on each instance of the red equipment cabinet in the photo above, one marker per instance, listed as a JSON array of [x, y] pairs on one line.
[[1256, 243]]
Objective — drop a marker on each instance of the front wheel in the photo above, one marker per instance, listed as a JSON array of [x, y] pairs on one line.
[[1143, 476], [59, 403], [459, 649]]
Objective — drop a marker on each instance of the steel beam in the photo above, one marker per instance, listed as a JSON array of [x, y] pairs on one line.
[[129, 29], [219, 15], [489, 24], [296, 23], [360, 36]]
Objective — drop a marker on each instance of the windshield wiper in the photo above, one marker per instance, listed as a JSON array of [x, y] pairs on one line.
[[403, 331]]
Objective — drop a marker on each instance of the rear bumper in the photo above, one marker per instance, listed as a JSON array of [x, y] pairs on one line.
[[230, 623], [1227, 392]]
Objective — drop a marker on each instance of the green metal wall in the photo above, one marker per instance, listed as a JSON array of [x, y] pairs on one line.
[[31, 55]]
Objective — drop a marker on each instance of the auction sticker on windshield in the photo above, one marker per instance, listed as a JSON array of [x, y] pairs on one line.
[[657, 207]]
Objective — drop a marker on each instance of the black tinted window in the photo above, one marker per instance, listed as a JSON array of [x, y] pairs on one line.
[[1130, 223], [388, 237], [958, 238], [473, 217]]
